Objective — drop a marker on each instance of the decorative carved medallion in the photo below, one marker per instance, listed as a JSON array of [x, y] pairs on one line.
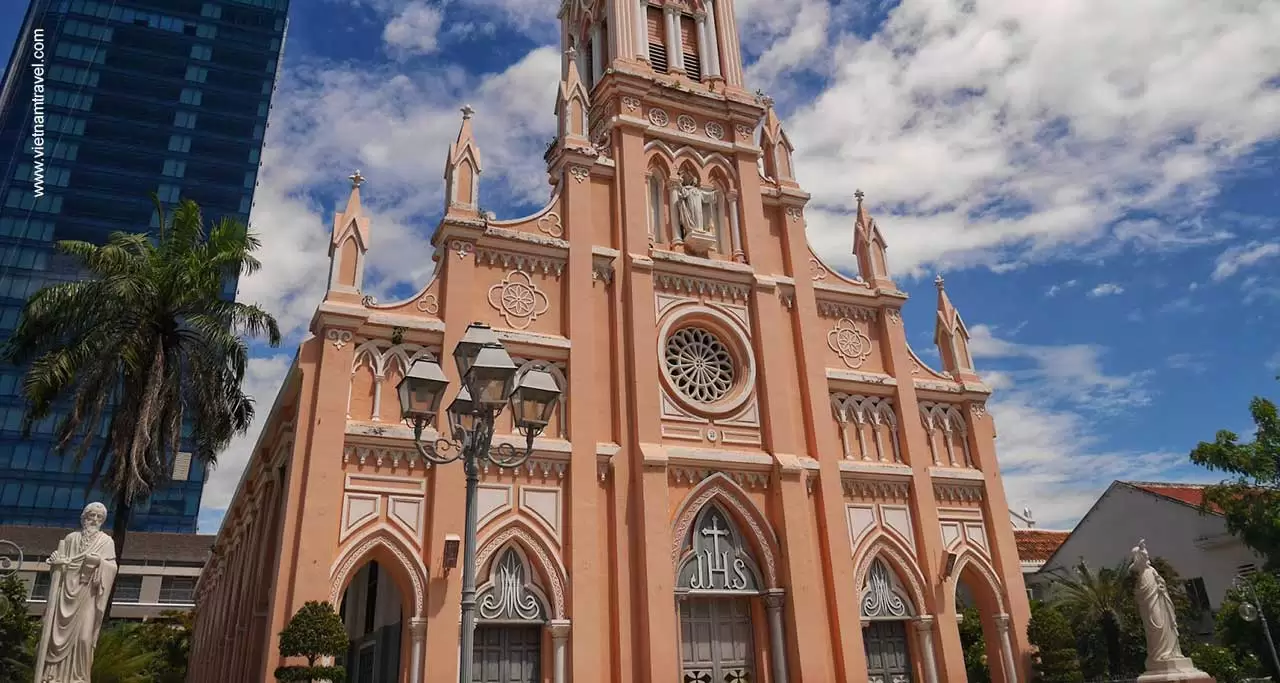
[[882, 596], [850, 343], [507, 597], [744, 132], [428, 304], [338, 337], [462, 248], [631, 103], [659, 117], [550, 224], [714, 130], [686, 124], [793, 213], [817, 271], [700, 365], [518, 299], [579, 173]]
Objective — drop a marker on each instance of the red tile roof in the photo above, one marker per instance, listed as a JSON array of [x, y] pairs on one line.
[[1189, 494], [1038, 545]]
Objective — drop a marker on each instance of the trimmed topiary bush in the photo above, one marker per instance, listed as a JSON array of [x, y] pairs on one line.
[[1056, 660], [315, 631]]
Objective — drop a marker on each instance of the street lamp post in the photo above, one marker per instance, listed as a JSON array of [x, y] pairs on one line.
[[487, 372], [1252, 611]]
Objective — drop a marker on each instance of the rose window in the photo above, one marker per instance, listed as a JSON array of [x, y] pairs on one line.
[[700, 365]]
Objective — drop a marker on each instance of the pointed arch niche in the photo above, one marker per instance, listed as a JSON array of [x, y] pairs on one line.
[[976, 588], [378, 585], [726, 587], [521, 599], [892, 611]]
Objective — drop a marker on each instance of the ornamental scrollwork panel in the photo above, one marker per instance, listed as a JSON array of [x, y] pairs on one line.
[[883, 596], [849, 342], [507, 597]]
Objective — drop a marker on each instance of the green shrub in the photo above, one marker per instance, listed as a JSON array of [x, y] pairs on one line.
[[1056, 660], [315, 631]]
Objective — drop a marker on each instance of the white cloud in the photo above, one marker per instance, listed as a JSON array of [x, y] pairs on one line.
[[1273, 363], [1106, 289], [1002, 131], [1054, 290], [414, 30], [1046, 415], [1239, 257]]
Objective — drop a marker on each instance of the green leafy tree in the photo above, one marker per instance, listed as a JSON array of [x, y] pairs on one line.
[[169, 638], [1250, 499], [1222, 664], [1133, 640], [315, 631], [975, 647], [148, 338], [122, 657], [1246, 640], [1094, 605], [1056, 659], [16, 630]]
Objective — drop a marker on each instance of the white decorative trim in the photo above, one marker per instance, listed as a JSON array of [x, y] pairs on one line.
[[834, 309], [519, 300], [529, 263], [689, 284], [958, 493], [579, 173], [548, 563], [719, 486], [461, 247], [882, 545], [876, 489], [658, 117], [850, 343]]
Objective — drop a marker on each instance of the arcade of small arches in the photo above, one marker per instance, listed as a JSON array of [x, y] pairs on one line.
[[868, 427], [727, 592]]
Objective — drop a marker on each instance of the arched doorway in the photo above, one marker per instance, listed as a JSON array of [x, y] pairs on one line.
[[886, 609], [511, 613], [718, 587], [375, 614], [977, 594]]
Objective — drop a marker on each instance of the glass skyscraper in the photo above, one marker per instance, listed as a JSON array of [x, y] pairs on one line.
[[139, 97]]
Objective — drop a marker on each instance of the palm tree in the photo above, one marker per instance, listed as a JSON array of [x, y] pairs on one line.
[[1095, 600], [148, 340], [121, 657]]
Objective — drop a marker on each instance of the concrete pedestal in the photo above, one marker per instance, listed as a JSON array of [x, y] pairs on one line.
[[1181, 669]]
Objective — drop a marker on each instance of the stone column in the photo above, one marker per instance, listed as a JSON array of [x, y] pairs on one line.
[[735, 230], [675, 52], [1006, 649], [377, 398], [712, 65], [924, 629], [418, 635], [704, 58], [559, 630], [642, 31], [773, 601]]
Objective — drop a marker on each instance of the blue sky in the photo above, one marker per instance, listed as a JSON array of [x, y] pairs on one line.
[[1104, 203]]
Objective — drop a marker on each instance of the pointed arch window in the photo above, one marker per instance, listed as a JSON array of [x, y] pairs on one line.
[[657, 28], [715, 559], [656, 201]]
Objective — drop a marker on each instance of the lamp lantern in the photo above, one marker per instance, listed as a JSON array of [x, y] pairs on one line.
[[477, 336], [489, 376], [421, 390], [533, 399]]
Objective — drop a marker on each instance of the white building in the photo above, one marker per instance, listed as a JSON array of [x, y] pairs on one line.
[[1197, 544], [158, 573]]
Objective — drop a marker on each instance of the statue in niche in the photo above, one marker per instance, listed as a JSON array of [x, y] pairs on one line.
[[694, 205], [84, 569], [1165, 661]]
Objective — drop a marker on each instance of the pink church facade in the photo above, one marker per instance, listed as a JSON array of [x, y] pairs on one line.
[[750, 476]]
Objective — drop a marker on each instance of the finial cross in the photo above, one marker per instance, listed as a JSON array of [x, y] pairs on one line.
[[356, 179], [938, 281], [467, 111], [858, 195]]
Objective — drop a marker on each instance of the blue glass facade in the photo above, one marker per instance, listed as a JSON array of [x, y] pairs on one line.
[[139, 96]]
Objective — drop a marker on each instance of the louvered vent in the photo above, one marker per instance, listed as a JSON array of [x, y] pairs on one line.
[[657, 40], [689, 47]]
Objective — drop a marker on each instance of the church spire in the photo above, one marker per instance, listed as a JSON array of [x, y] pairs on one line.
[[776, 146], [462, 172], [952, 338], [869, 247], [349, 243]]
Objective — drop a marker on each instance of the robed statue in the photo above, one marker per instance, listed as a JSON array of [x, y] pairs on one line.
[[691, 206], [1165, 661], [83, 571]]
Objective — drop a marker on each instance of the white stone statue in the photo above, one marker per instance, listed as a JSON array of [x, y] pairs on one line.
[[692, 204], [1165, 661], [84, 569]]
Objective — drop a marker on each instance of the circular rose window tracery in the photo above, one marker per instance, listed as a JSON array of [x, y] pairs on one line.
[[700, 365]]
